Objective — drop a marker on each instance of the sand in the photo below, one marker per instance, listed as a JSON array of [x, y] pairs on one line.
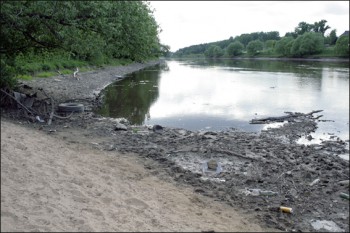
[[53, 185]]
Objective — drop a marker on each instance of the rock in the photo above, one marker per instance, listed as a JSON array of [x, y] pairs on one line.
[[157, 128], [209, 137], [120, 126], [182, 132], [326, 226], [314, 182], [267, 193], [212, 164], [344, 183]]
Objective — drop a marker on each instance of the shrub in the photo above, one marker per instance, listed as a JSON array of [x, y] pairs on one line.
[[307, 44], [234, 49], [342, 46], [254, 47]]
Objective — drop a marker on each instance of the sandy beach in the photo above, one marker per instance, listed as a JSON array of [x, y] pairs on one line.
[[53, 185]]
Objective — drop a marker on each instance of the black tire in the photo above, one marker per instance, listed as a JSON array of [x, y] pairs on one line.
[[71, 107]]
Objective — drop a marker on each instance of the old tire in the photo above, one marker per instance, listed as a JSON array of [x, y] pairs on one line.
[[71, 107]]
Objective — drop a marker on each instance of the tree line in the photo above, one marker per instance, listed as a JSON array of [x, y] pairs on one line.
[[306, 39], [92, 31]]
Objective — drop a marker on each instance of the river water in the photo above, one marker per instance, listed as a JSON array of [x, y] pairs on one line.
[[222, 94]]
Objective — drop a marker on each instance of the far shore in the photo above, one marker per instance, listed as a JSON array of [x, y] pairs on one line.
[[328, 59]]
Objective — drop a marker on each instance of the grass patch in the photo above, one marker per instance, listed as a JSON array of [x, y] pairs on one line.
[[65, 71], [24, 77], [45, 74]]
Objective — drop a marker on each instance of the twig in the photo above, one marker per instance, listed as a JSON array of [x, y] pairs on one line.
[[282, 118], [52, 112], [24, 107]]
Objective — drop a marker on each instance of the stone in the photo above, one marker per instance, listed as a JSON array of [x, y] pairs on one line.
[[120, 126], [325, 225], [157, 128], [344, 183], [212, 164]]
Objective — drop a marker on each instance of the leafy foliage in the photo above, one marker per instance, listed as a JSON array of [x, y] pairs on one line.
[[234, 49], [303, 27], [342, 46], [254, 47], [331, 39], [307, 44], [93, 31], [284, 45], [214, 51]]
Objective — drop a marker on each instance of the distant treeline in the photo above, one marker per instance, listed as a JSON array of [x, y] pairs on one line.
[[51, 35], [307, 39]]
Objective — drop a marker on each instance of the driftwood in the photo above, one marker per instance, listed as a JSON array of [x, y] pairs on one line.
[[289, 117], [75, 74]]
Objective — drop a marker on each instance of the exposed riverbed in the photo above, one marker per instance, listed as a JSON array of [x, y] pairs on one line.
[[307, 178]]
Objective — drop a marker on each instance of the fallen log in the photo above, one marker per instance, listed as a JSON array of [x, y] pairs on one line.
[[290, 116]]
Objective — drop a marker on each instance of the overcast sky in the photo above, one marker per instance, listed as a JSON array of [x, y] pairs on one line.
[[186, 23]]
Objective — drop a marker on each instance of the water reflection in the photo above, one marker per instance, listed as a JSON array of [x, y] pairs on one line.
[[132, 97], [201, 94]]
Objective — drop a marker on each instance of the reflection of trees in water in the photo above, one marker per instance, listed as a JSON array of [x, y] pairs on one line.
[[302, 68], [133, 96], [308, 72]]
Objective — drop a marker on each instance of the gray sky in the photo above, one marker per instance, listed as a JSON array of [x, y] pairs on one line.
[[186, 23]]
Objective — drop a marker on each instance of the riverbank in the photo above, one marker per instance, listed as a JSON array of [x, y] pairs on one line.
[[318, 59], [308, 179], [49, 184]]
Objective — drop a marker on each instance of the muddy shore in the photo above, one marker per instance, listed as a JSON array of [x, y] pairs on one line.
[[256, 172]]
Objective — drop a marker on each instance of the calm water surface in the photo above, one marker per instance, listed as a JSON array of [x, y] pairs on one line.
[[216, 95]]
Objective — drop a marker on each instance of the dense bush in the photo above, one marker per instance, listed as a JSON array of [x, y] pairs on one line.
[[234, 49], [307, 44], [214, 51], [342, 46], [254, 47], [284, 45]]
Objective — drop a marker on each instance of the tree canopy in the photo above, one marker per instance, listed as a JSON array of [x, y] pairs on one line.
[[86, 30], [306, 39]]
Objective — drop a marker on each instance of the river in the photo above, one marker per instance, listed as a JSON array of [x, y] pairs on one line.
[[221, 94]]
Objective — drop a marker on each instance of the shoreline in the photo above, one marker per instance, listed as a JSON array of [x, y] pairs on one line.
[[269, 161], [330, 59]]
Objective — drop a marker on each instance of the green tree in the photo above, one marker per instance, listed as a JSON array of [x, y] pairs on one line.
[[307, 44], [302, 28], [321, 27], [234, 49], [218, 52], [87, 30], [342, 46], [245, 38], [331, 39], [214, 51], [284, 45], [254, 47]]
